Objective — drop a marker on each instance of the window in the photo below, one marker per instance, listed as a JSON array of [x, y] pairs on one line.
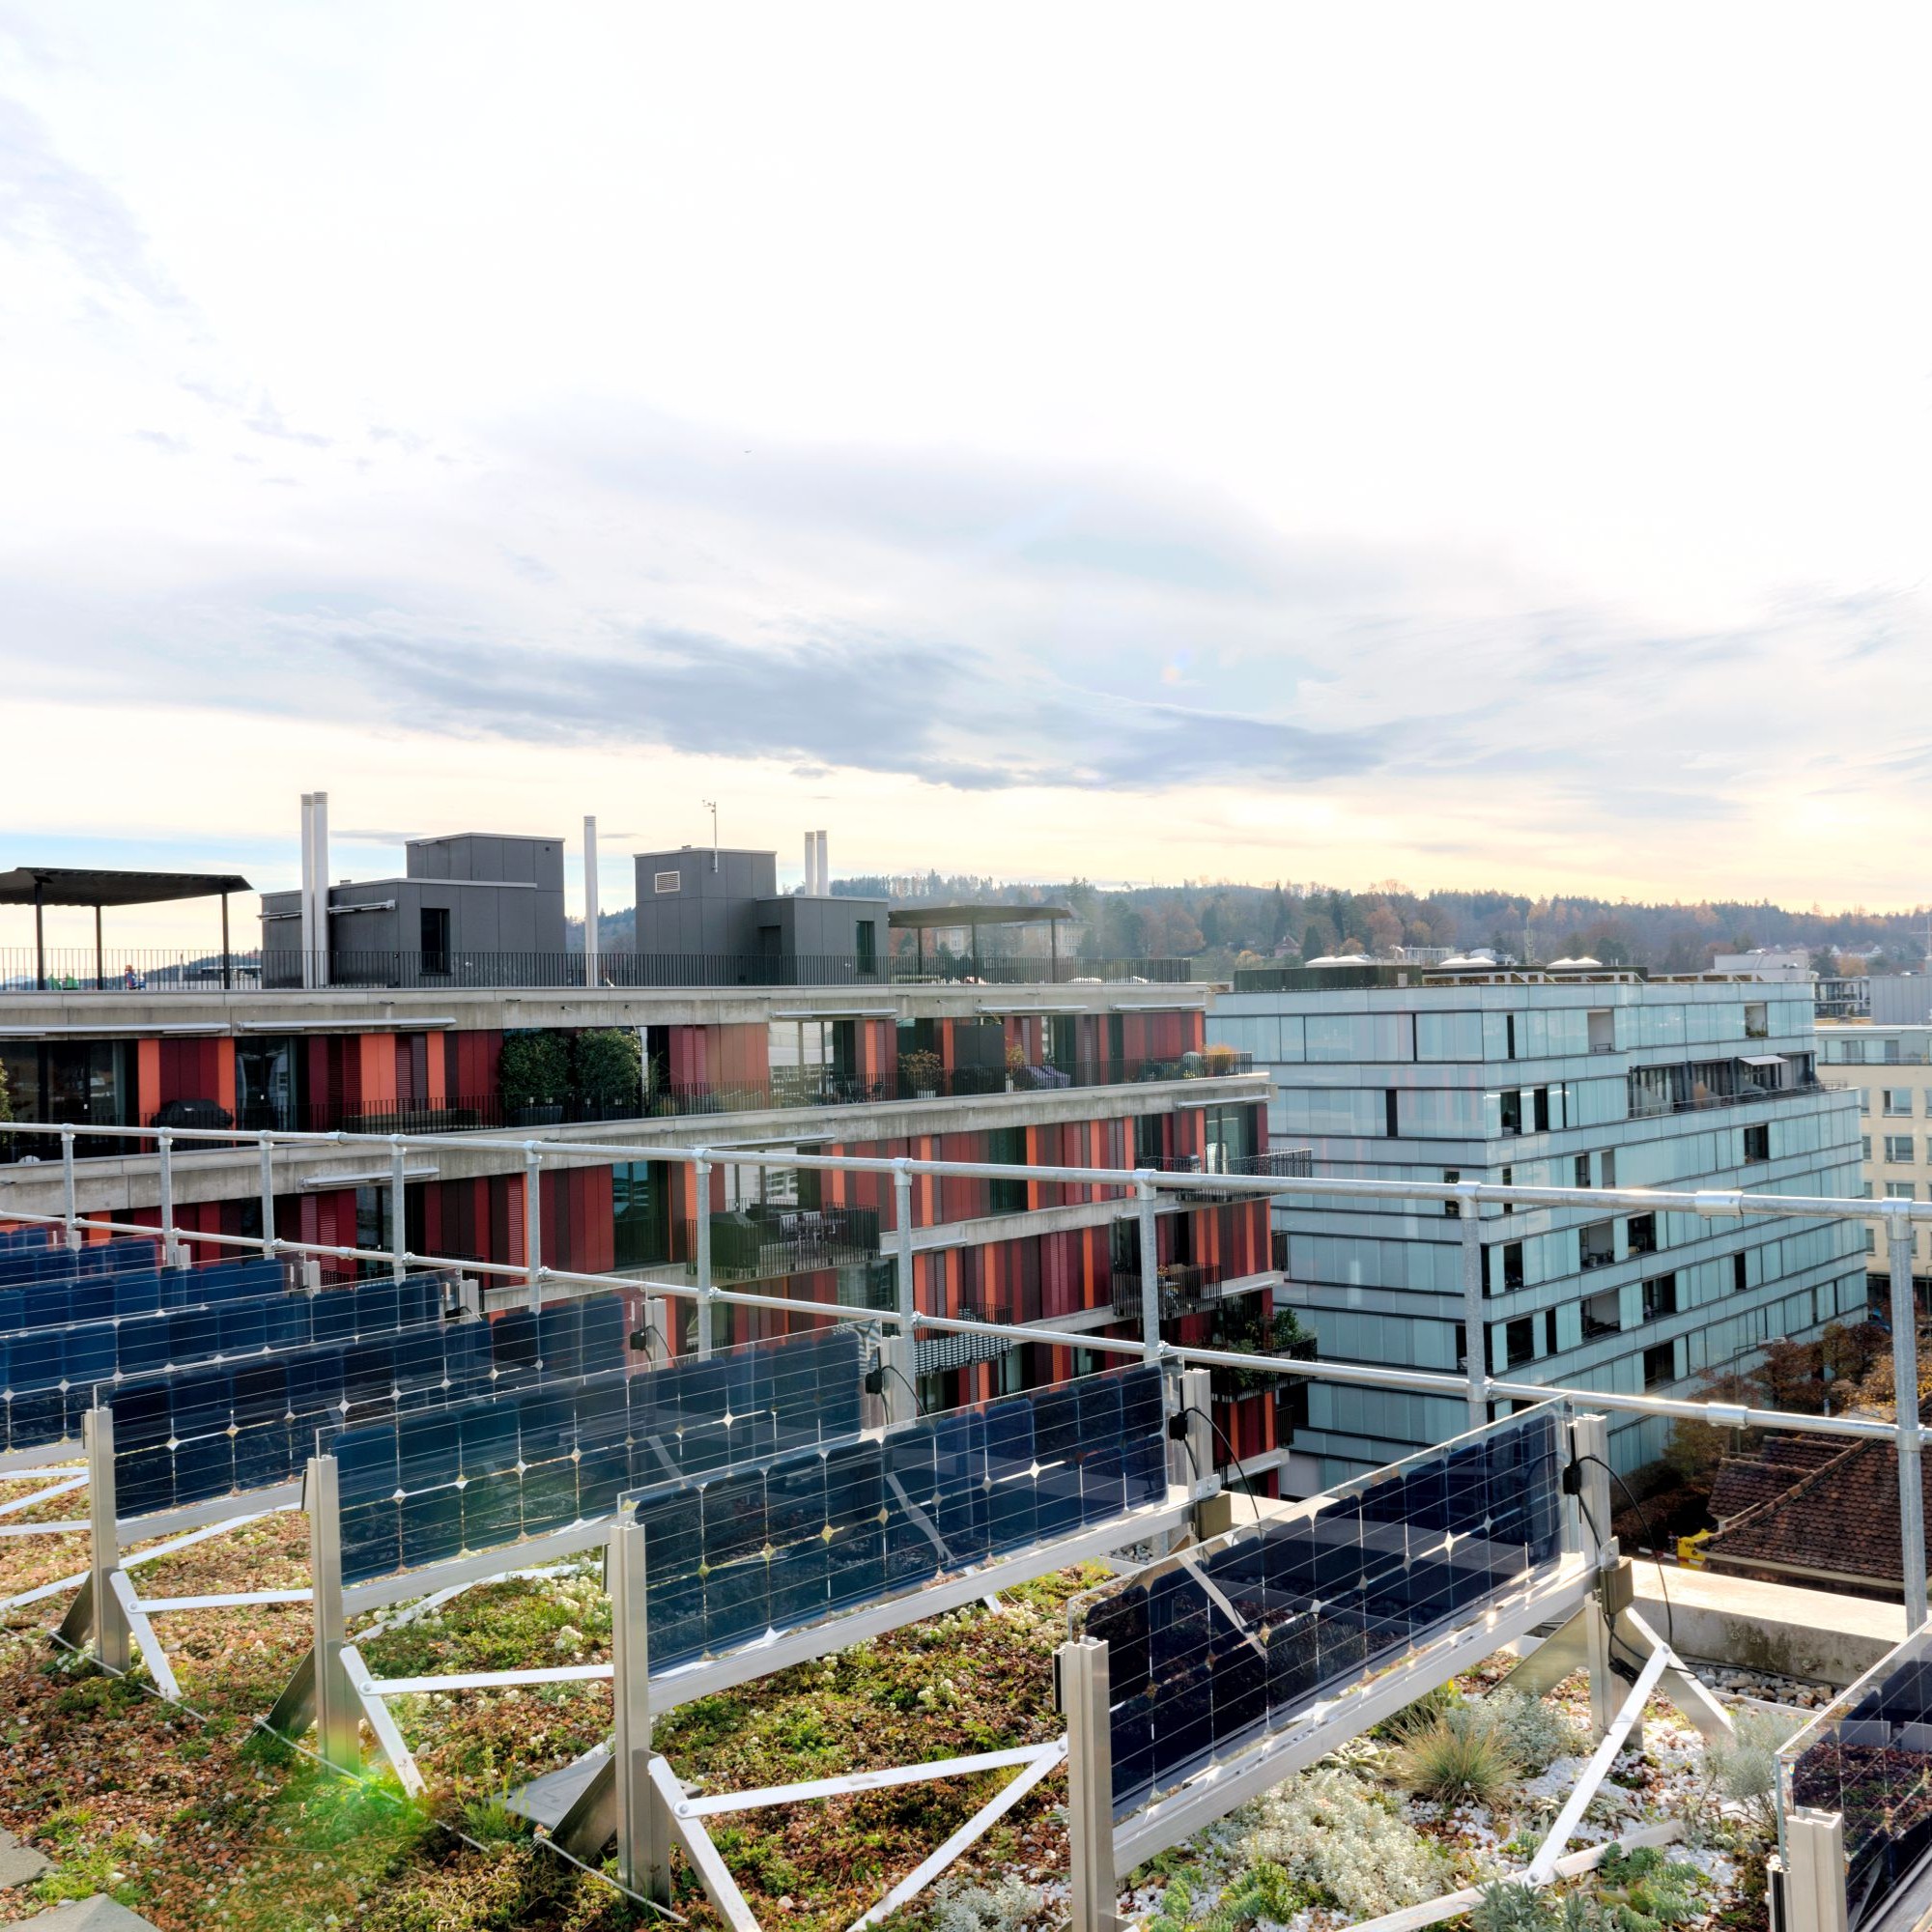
[[1597, 1245], [1520, 1342], [1872, 1240], [1008, 1147], [666, 882], [869, 946], [1865, 1147], [1543, 1110], [1602, 1025], [1509, 1025], [1739, 1274], [1865, 1101], [1512, 1110], [1897, 1100], [1757, 1143], [1660, 1296], [1899, 1148], [1391, 1125], [1603, 1315], [1865, 1190], [1509, 1181], [1757, 1024], [1892, 1053], [1583, 1170], [1512, 1264], [1901, 1190], [435, 939], [1452, 1208], [1550, 1331], [1660, 1365]]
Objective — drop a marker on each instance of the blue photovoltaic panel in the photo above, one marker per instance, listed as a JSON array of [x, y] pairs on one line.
[[48, 1376], [731, 1555], [213, 1431], [522, 1461], [139, 1253], [1869, 1757], [1300, 1604]]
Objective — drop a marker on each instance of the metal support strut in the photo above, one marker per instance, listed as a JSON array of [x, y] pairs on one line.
[[1090, 1784], [1475, 1325], [1149, 1245], [1905, 1395], [701, 1187], [533, 1225]]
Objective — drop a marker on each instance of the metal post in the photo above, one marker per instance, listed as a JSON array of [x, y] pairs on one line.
[[268, 1199], [591, 896], [323, 940], [533, 1224], [908, 1304], [69, 1211], [1590, 1445], [643, 1826], [1475, 1326], [337, 1710], [113, 1639], [1190, 1457], [172, 1255], [701, 1182], [226, 981], [40, 942], [898, 1391], [1814, 1871], [99, 960], [399, 1243], [1090, 1784], [1149, 1273], [1905, 1403]]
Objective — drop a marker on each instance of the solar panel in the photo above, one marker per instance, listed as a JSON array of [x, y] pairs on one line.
[[48, 1376], [519, 1462], [807, 1532], [139, 1253], [212, 1431], [1209, 1649]]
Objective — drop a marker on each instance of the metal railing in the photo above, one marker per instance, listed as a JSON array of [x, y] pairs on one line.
[[1145, 1185], [151, 970], [1653, 1107]]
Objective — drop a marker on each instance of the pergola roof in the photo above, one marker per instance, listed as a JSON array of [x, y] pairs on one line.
[[923, 916], [74, 886]]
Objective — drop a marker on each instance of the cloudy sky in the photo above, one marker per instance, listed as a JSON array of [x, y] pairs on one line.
[[1471, 445]]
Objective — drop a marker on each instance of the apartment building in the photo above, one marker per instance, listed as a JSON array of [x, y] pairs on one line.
[[1889, 1069], [1590, 1079], [1113, 1075]]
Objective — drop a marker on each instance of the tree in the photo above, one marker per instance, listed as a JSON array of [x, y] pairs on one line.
[[533, 1069], [1318, 937], [607, 1066], [1277, 921]]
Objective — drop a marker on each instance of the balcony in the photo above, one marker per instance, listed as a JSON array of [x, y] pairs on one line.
[[150, 971], [766, 1243], [1655, 1106], [1185, 1289]]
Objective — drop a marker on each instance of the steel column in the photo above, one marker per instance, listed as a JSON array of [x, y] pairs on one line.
[[1090, 1784], [69, 1208], [700, 1185], [1814, 1871], [1898, 1236], [171, 1254], [399, 1241], [1475, 1322], [1590, 1445], [644, 1827], [533, 1225], [908, 1305], [338, 1710], [113, 1636], [1150, 1243], [268, 1199]]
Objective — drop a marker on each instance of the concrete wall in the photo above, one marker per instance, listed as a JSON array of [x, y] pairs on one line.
[[707, 911]]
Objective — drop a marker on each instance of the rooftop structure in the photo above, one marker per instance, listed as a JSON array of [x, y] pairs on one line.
[[43, 886]]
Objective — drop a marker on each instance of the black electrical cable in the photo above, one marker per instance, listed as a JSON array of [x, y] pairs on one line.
[[1235, 1463], [912, 1388], [1609, 1623], [1643, 1523]]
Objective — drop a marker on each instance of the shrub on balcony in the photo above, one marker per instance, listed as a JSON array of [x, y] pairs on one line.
[[1220, 1058], [533, 1072], [607, 1070], [920, 1070]]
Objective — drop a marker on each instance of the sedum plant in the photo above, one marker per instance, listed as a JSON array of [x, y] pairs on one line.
[[1334, 1839]]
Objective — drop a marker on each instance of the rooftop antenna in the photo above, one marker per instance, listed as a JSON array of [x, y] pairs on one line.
[[711, 806]]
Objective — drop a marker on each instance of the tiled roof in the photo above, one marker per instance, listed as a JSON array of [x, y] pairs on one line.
[[1769, 1471], [1842, 1519]]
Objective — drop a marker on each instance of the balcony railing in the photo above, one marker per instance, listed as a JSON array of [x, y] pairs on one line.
[[1184, 1286], [1651, 1107], [77, 969]]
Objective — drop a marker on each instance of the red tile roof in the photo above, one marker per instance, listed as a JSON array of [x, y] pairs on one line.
[[1840, 1519], [1768, 1471]]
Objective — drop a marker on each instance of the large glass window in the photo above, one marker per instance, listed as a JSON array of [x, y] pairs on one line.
[[266, 1074], [639, 1214]]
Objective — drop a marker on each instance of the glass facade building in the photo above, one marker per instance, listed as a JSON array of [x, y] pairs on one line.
[[1610, 1082]]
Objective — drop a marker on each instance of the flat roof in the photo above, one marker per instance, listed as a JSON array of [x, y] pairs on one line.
[[908, 918], [78, 886]]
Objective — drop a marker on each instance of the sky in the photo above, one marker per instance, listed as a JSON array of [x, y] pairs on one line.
[[1477, 445]]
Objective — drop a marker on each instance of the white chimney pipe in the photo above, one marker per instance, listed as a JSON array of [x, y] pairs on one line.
[[308, 888], [811, 886], [590, 903], [322, 947], [824, 867]]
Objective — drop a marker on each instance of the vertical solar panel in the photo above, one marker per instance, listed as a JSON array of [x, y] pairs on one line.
[[545, 1448], [1211, 1649], [730, 1553]]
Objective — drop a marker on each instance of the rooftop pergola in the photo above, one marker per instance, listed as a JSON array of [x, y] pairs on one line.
[[43, 886], [925, 919]]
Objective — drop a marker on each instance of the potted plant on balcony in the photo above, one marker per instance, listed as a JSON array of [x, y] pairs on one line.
[[1018, 1071], [1220, 1058], [919, 1070], [607, 1066], [532, 1076]]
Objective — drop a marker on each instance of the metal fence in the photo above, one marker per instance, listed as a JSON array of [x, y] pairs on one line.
[[80, 970]]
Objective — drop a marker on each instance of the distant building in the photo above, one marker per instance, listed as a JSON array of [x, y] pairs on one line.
[[1766, 962], [1585, 1078], [1889, 1069], [468, 897]]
